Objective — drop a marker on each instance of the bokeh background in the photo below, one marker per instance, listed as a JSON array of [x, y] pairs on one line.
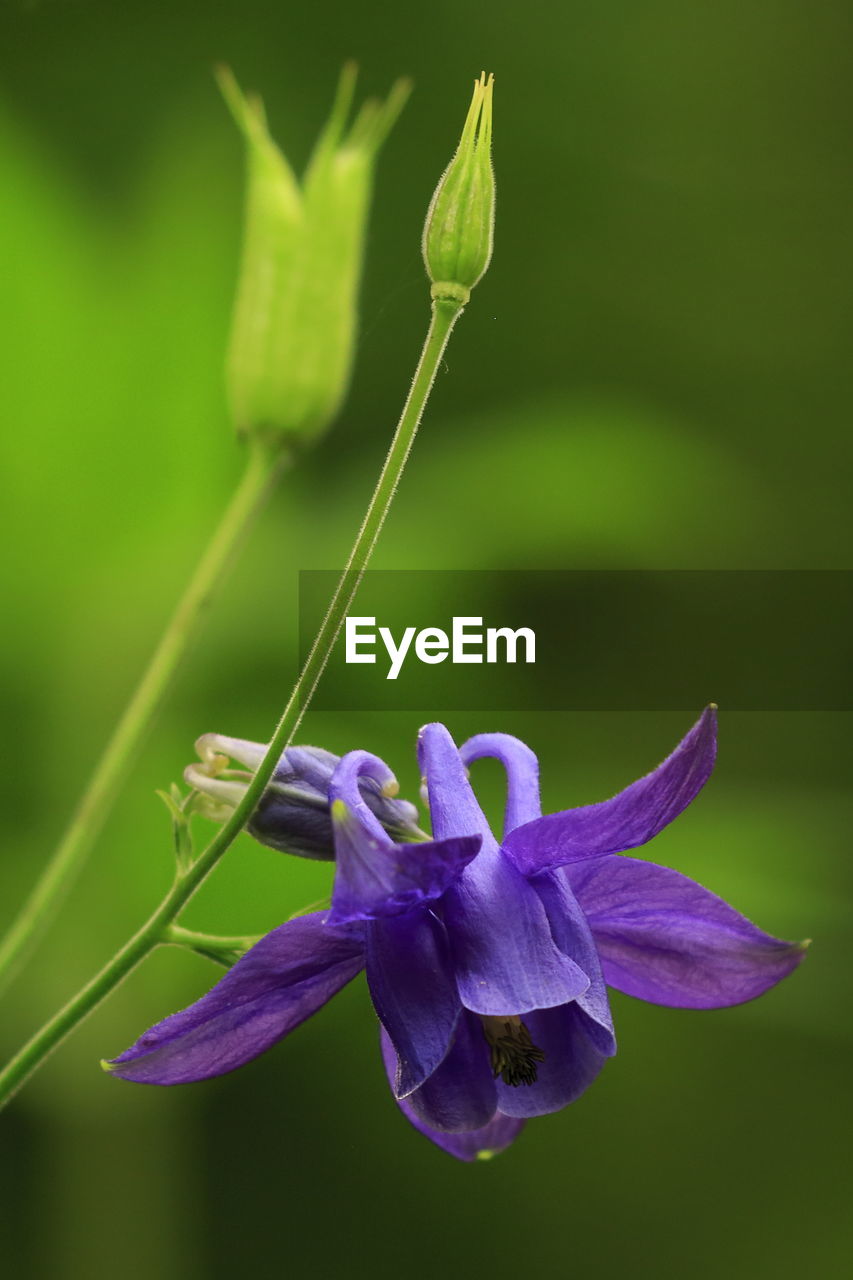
[[654, 374]]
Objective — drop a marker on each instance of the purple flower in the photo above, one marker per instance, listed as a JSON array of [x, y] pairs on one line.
[[486, 963]]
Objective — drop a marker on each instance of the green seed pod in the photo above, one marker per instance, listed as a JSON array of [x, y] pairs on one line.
[[459, 229], [294, 325]]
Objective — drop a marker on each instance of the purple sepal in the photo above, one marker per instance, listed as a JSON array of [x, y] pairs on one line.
[[628, 820], [279, 983], [473, 1144], [664, 938], [411, 984]]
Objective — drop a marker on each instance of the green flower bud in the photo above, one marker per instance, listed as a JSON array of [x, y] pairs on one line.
[[294, 324], [459, 230]]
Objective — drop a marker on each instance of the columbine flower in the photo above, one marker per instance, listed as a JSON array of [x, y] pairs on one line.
[[293, 815], [486, 963]]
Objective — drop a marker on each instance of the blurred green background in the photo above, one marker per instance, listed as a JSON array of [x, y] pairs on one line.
[[655, 373]]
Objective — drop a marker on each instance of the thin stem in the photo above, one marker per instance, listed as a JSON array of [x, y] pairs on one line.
[[25, 1062], [221, 949], [156, 930], [444, 316], [176, 936], [259, 478]]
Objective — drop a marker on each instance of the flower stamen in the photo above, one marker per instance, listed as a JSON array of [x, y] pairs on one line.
[[514, 1056]]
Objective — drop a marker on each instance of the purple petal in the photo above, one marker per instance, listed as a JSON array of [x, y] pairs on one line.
[[453, 808], [571, 1042], [411, 983], [460, 1094], [505, 957], [522, 774], [374, 880], [664, 938], [479, 1144], [279, 983], [627, 820], [293, 814], [572, 934], [474, 1144], [376, 877]]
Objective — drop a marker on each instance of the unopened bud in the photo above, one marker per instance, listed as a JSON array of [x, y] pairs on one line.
[[293, 815], [459, 229]]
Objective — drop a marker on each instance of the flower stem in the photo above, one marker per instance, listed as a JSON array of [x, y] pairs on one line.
[[34, 1052], [224, 950], [157, 929], [260, 476]]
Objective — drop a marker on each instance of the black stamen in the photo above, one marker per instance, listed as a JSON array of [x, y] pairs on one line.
[[514, 1056]]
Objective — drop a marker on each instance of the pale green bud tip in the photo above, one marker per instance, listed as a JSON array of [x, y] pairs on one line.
[[459, 228]]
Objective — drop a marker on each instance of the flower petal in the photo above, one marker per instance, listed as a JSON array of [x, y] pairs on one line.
[[626, 821], [572, 934], [376, 878], [453, 807], [666, 939], [505, 957], [460, 1094], [571, 1043], [474, 1144], [411, 983], [279, 983], [522, 774]]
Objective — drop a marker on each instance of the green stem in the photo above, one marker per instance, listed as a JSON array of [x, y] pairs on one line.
[[177, 936], [156, 930], [261, 473], [225, 950]]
